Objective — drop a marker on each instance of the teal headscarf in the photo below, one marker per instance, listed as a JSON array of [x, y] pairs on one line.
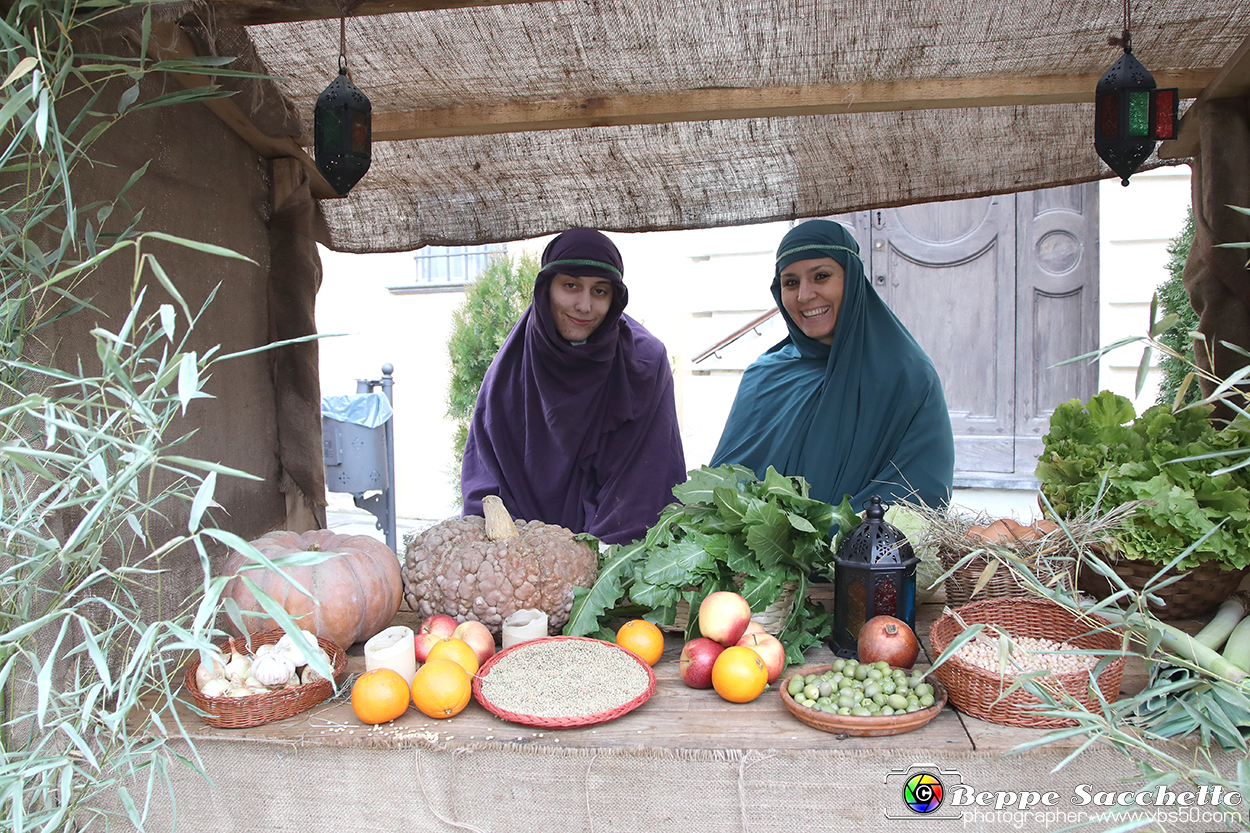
[[864, 416]]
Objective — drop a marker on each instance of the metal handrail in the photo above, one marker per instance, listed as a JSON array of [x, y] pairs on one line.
[[734, 336]]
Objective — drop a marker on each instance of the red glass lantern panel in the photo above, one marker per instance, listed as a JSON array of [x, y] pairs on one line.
[[1166, 103], [1108, 116]]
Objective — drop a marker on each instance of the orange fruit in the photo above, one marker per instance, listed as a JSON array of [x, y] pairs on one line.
[[739, 674], [643, 638], [441, 688], [379, 696], [456, 650]]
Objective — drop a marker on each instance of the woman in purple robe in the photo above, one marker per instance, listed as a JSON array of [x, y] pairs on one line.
[[576, 423]]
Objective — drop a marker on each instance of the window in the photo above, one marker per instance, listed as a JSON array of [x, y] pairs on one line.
[[446, 268]]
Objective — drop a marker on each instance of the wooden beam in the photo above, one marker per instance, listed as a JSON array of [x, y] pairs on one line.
[[168, 42], [710, 104], [259, 12], [1232, 81]]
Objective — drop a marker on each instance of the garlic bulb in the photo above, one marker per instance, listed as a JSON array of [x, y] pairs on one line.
[[288, 646], [215, 687], [237, 690], [274, 668], [263, 649]]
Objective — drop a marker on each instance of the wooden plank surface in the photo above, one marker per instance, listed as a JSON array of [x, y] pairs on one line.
[[676, 717], [766, 102]]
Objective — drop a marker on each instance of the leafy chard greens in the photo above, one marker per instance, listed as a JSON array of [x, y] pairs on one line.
[[1182, 469], [729, 531]]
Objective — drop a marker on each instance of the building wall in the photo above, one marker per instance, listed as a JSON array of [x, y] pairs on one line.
[[690, 288]]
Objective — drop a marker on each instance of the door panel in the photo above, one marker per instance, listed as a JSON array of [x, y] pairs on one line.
[[946, 270], [1057, 283]]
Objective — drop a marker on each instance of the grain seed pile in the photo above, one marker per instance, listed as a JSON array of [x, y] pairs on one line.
[[564, 678], [1028, 654]]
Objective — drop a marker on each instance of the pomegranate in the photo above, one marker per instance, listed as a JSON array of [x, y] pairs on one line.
[[889, 639]]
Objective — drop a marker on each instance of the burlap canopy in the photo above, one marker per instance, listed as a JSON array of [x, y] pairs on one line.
[[967, 98]]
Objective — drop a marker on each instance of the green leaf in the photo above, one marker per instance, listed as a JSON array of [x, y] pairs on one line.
[[203, 498], [674, 565], [188, 380], [206, 248], [768, 535], [128, 97], [23, 67], [589, 604]]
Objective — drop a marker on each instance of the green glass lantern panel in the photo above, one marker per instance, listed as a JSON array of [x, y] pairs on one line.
[[1139, 113]]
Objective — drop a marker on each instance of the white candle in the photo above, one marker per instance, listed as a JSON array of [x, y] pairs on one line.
[[393, 648], [524, 625]]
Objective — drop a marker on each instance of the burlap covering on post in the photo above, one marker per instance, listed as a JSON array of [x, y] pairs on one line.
[[294, 278], [1216, 279]]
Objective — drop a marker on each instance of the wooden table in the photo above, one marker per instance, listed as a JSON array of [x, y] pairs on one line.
[[685, 760]]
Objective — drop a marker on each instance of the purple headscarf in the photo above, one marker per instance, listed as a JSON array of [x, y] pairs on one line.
[[580, 435]]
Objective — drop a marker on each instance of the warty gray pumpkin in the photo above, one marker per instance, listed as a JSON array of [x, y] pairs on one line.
[[487, 568]]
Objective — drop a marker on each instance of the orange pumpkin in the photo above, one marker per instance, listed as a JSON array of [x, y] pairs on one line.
[[359, 588]]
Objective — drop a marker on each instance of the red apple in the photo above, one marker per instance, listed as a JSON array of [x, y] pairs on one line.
[[770, 650], [440, 624], [423, 642], [697, 658], [724, 616], [478, 637], [754, 627]]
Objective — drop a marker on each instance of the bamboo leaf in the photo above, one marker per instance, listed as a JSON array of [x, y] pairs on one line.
[[168, 321], [41, 118], [206, 248], [1143, 369], [188, 380], [127, 98], [203, 498], [23, 66], [205, 465]]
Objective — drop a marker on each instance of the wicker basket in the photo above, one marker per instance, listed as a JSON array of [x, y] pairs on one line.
[[771, 618], [258, 709], [1004, 583], [570, 722], [978, 691], [1200, 589]]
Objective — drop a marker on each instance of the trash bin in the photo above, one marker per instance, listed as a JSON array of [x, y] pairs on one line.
[[353, 439]]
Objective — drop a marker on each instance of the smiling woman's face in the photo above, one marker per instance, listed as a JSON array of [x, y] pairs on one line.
[[811, 291], [579, 304]]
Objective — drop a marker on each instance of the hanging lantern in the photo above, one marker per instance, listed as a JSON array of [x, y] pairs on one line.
[[343, 128], [874, 575], [1130, 114]]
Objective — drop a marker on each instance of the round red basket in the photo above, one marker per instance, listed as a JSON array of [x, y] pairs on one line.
[[567, 722]]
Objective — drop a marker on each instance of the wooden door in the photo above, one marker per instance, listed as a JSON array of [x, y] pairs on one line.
[[1056, 307], [997, 290], [947, 271]]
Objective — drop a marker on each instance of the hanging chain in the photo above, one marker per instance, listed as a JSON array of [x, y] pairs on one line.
[[1125, 40], [343, 41], [1128, 20]]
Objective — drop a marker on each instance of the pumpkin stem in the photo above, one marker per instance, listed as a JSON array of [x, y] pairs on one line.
[[498, 522]]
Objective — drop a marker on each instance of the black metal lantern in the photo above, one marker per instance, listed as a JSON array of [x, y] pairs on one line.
[[343, 128], [874, 575], [1130, 114]]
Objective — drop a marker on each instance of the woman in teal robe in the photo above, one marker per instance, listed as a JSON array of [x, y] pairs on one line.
[[857, 410]]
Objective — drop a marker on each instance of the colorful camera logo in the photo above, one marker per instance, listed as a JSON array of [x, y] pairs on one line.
[[922, 793]]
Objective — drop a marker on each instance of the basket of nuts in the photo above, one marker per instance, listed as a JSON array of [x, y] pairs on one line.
[[1041, 636]]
